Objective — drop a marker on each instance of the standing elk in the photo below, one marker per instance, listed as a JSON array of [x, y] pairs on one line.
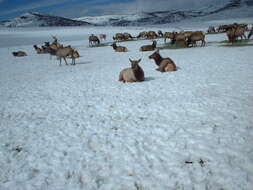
[[41, 50], [142, 35], [119, 37], [160, 33], [234, 32], [151, 35], [250, 33], [196, 36], [169, 35], [132, 74], [93, 40], [65, 52], [211, 30], [164, 64], [127, 36], [149, 47]]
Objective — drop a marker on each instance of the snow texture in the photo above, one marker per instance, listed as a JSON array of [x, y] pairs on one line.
[[78, 127]]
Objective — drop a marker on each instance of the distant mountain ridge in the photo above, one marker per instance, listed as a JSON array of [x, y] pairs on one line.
[[162, 17], [37, 19], [137, 19]]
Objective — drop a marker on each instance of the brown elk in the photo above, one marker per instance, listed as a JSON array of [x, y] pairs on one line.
[[234, 32], [93, 40], [196, 36], [127, 36], [132, 74], [149, 47], [222, 28], [119, 37], [211, 30], [65, 52], [164, 64], [19, 53], [119, 48], [179, 39], [142, 35], [169, 35], [151, 35], [40, 50]]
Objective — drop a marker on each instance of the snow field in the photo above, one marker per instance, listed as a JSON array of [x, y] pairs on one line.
[[77, 127]]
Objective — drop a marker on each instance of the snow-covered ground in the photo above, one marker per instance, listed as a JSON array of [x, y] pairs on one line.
[[77, 127]]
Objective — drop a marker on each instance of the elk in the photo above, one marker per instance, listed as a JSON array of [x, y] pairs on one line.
[[19, 53], [119, 37], [160, 33], [211, 30], [119, 48], [234, 32], [132, 74], [179, 39], [164, 64], [127, 36], [149, 47], [151, 35], [250, 33], [93, 40], [142, 35], [222, 28], [102, 37], [40, 50], [65, 52], [169, 35], [196, 36]]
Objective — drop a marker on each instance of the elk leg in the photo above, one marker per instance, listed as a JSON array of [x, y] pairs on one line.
[[65, 60]]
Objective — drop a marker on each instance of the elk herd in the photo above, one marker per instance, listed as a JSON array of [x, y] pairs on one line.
[[135, 73]]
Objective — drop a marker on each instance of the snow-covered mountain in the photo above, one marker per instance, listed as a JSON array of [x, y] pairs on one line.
[[233, 8], [163, 17], [38, 19]]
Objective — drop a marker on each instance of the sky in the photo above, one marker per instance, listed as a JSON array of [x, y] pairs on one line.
[[77, 8]]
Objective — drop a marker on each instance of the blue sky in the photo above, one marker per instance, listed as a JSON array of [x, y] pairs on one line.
[[77, 8]]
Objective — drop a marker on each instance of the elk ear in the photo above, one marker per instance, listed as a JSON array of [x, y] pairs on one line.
[[139, 60], [157, 51], [130, 60]]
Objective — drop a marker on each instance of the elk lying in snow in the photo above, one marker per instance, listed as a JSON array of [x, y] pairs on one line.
[[122, 36], [196, 36], [164, 64], [102, 37], [149, 47], [65, 52], [42, 50], [132, 74], [19, 54], [142, 35], [119, 48], [151, 35], [93, 40]]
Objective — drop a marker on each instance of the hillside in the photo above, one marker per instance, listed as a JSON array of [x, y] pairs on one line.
[[38, 20]]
